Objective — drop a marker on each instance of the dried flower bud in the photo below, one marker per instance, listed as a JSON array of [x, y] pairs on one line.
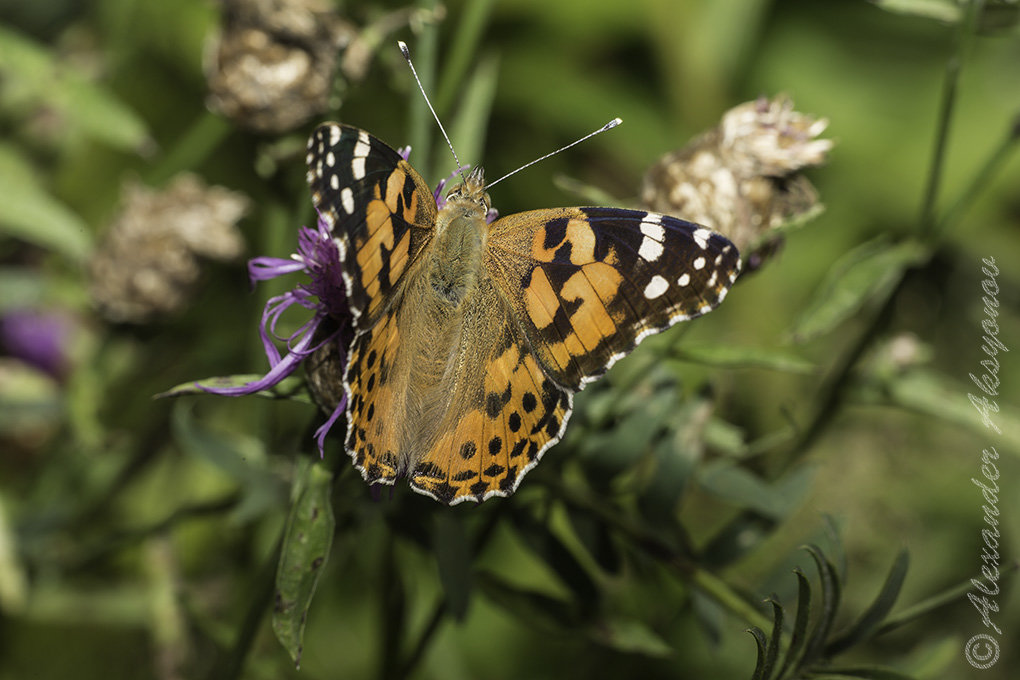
[[272, 67], [740, 178], [147, 263]]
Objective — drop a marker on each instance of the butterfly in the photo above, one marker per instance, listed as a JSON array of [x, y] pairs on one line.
[[471, 338]]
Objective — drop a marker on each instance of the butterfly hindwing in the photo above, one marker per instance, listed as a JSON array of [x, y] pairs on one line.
[[588, 284], [379, 209], [477, 431]]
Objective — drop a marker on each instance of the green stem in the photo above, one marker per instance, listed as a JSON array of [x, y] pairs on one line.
[[983, 178], [191, 149], [965, 36], [462, 52], [231, 665]]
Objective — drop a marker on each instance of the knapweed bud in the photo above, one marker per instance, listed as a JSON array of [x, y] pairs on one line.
[[271, 68], [742, 177], [148, 261]]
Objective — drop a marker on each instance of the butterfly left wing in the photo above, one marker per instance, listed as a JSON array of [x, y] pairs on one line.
[[588, 284], [378, 208]]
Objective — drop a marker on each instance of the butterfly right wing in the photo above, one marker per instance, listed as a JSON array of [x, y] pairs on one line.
[[380, 211]]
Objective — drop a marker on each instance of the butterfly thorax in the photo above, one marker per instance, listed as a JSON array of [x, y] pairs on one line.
[[456, 259]]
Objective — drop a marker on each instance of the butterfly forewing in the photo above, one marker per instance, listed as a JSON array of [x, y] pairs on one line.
[[378, 208], [588, 284]]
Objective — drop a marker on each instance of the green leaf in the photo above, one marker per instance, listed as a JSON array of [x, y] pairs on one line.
[[595, 536], [867, 272], [306, 545], [529, 606], [878, 610], [675, 457], [739, 486], [930, 393], [293, 387], [471, 123], [30, 213], [729, 356], [775, 640], [761, 642], [548, 547], [453, 559], [242, 459], [943, 10], [799, 636], [995, 16], [830, 603], [41, 81], [630, 636]]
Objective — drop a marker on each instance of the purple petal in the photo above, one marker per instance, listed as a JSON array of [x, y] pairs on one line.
[[320, 434], [265, 268]]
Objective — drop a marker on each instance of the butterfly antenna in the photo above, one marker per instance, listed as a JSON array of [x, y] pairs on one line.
[[407, 55], [608, 126]]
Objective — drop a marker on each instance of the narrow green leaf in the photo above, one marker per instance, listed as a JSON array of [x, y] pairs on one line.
[[463, 51], [471, 123], [630, 636], [867, 272], [453, 559], [30, 213], [729, 356], [761, 642], [928, 605], [942, 10], [548, 547], [675, 456], [594, 535], [775, 640], [306, 545], [830, 604], [799, 636], [878, 610], [741, 487], [293, 387], [930, 393]]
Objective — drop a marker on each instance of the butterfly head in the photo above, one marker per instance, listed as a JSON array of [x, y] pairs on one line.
[[470, 195]]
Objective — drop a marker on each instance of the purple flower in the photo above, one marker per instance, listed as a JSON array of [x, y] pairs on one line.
[[41, 339], [323, 294]]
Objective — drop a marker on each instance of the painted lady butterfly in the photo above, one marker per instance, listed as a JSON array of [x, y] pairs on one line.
[[472, 338]]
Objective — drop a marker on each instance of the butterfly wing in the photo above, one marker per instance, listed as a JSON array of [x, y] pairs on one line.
[[588, 284], [379, 209], [472, 436]]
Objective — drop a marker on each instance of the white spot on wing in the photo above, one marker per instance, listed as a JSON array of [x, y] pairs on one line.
[[701, 237], [656, 287], [334, 182], [362, 147], [358, 168], [347, 199], [650, 249], [334, 135], [683, 280], [699, 263]]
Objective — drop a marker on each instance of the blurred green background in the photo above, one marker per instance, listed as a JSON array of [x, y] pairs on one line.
[[138, 537]]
